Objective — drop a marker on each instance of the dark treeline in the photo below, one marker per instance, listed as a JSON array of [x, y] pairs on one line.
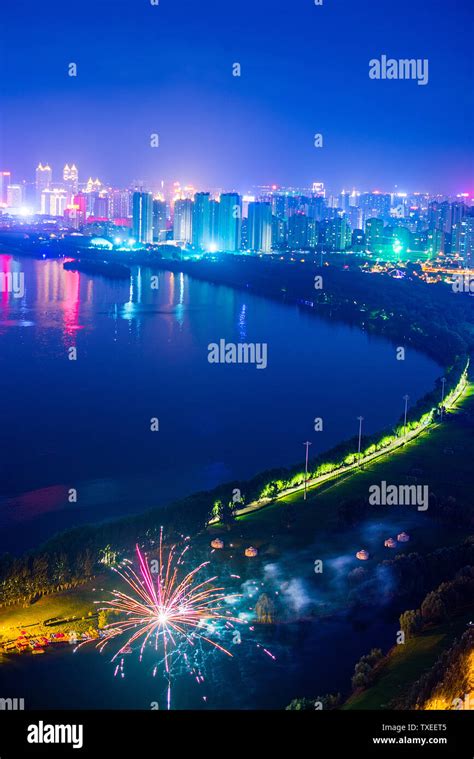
[[417, 574], [443, 603], [25, 579]]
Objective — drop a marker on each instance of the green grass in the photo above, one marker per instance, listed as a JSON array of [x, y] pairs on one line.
[[405, 663], [314, 519], [78, 602], [446, 474]]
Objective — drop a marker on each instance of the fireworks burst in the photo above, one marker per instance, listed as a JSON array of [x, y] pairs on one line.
[[169, 609]]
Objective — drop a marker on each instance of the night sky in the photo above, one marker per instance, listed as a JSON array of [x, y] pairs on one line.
[[168, 69]]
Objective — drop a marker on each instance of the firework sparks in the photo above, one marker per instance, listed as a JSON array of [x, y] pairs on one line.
[[166, 607], [171, 610]]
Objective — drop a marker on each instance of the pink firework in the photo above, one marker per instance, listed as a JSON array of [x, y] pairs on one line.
[[167, 607]]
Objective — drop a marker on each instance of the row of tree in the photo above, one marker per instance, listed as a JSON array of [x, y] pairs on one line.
[[26, 578], [449, 599]]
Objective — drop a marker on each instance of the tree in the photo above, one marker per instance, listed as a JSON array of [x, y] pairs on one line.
[[411, 622], [265, 609]]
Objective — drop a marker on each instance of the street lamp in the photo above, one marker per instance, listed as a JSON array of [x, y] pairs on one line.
[[307, 444], [443, 383], [361, 419], [406, 399]]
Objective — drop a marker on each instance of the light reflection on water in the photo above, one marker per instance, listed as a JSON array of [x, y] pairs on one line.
[[141, 353]]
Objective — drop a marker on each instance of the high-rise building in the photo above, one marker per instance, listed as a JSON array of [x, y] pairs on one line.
[[357, 240], [143, 217], [336, 234], [279, 203], [469, 241], [159, 221], [298, 231], [375, 204], [246, 199], [458, 212], [439, 216], [313, 233], [316, 208], [355, 217], [5, 180], [44, 177], [279, 233], [53, 202], [374, 233], [201, 220], [101, 206], [214, 225], [260, 227], [14, 196], [71, 179], [93, 185], [462, 239], [230, 221], [435, 239], [120, 204], [183, 220], [318, 189], [79, 204]]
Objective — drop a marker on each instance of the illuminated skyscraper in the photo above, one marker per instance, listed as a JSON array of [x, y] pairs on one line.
[[201, 220], [298, 231], [120, 204], [374, 233], [143, 216], [375, 204], [43, 181], [318, 189], [213, 225], [260, 227], [279, 203], [14, 196], [53, 202], [5, 180], [183, 220], [337, 234], [79, 203], [279, 233], [462, 239], [435, 241], [71, 178], [313, 233], [101, 206], [159, 221], [230, 221]]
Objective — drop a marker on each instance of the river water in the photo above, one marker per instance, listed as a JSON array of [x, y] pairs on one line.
[[142, 354]]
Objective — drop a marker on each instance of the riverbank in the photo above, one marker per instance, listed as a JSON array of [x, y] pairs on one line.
[[287, 527]]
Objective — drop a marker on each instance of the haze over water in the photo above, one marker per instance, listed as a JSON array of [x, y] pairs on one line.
[[142, 353]]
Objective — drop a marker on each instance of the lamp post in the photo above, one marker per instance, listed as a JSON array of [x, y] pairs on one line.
[[307, 444], [406, 399], [443, 383], [361, 419]]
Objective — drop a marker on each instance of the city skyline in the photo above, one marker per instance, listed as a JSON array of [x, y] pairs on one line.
[[303, 71], [57, 177], [272, 220]]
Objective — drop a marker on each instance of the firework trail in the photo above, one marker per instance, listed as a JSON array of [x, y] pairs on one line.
[[168, 608]]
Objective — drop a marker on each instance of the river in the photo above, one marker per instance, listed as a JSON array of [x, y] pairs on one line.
[[83, 425]]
